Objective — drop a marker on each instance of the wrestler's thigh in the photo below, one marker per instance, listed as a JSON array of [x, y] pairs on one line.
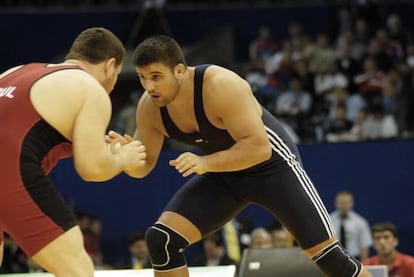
[[290, 195], [206, 201], [34, 213], [66, 255]]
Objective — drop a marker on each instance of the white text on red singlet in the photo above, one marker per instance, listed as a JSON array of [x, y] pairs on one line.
[[7, 92]]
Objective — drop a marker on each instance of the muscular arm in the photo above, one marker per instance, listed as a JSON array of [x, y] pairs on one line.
[[146, 132], [79, 108], [92, 158], [230, 99]]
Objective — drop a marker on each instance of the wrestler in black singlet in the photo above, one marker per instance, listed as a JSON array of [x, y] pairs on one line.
[[280, 184]]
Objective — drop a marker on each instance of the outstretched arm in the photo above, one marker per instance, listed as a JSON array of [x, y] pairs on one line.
[[147, 132], [94, 161]]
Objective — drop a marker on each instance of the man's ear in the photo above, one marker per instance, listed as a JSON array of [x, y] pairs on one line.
[[110, 66], [179, 71]]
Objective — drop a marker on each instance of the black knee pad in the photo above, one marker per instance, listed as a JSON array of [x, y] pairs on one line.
[[334, 261], [165, 247]]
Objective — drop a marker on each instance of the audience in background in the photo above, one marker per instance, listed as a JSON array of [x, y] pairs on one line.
[[14, 259], [371, 60], [260, 238], [214, 252], [281, 238], [138, 257], [386, 241], [90, 226], [262, 47], [352, 229]]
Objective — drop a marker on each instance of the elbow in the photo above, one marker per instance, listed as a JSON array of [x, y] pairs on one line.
[[93, 176], [92, 179], [140, 172], [137, 175], [93, 173]]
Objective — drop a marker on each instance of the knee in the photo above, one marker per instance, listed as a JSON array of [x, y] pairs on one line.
[[334, 261], [166, 247]]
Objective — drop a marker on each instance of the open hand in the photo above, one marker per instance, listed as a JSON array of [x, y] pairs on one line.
[[113, 138], [188, 163], [133, 154]]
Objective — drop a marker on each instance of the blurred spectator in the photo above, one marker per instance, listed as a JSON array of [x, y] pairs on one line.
[[91, 230], [93, 241], [385, 238], [397, 32], [260, 239], [214, 252], [138, 253], [124, 121], [280, 65], [326, 82], [232, 245], [355, 133], [301, 71], [297, 38], [262, 47], [389, 96], [320, 55], [359, 39], [294, 100], [343, 23], [369, 10], [393, 50], [293, 106], [338, 128], [14, 259], [405, 98], [376, 51], [353, 103], [409, 59], [352, 229], [379, 126], [348, 65], [281, 238], [369, 83]]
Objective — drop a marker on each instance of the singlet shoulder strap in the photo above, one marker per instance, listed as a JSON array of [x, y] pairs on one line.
[[169, 125], [198, 93]]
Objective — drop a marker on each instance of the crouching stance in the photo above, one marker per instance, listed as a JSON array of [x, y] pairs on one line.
[[247, 158]]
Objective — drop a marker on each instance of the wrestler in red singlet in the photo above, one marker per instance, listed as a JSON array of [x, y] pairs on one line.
[[31, 210]]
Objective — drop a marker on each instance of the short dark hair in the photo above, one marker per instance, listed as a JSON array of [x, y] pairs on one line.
[[385, 226], [96, 45], [159, 48], [216, 238], [134, 237]]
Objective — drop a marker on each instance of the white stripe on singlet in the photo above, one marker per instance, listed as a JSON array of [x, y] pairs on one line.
[[283, 150]]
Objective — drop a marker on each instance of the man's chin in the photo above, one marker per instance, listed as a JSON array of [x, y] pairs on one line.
[[159, 104]]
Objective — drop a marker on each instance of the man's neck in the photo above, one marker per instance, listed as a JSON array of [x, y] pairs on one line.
[[387, 259], [185, 90]]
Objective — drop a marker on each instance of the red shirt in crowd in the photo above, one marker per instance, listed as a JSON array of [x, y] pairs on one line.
[[403, 265]]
